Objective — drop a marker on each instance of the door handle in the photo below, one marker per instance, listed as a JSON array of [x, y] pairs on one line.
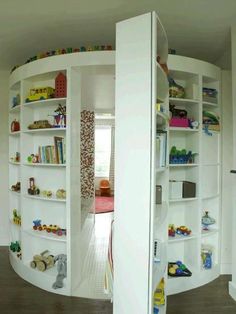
[[232, 171]]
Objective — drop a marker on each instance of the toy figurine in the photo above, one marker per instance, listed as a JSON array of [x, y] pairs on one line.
[[16, 101], [16, 187], [207, 221], [171, 230], [33, 190], [61, 260], [15, 126]]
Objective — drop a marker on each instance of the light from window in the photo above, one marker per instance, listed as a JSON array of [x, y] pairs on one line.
[[102, 151]]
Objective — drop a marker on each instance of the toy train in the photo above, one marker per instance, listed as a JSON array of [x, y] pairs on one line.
[[49, 228]]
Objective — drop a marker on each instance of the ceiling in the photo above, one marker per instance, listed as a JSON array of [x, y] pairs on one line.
[[195, 28]]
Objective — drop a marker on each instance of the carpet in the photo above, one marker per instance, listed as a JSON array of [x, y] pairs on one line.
[[104, 204]]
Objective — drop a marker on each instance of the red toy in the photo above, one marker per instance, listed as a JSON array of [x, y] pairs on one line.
[[15, 126], [60, 86]]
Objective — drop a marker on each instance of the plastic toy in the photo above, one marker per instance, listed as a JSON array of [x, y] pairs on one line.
[[175, 90], [181, 156], [33, 159], [211, 120], [182, 230], [15, 126], [61, 194], [16, 217], [16, 187], [46, 193], [61, 260], [40, 124], [171, 230], [42, 261], [40, 93], [207, 221], [178, 269], [15, 247], [16, 101], [159, 294], [55, 229], [206, 255], [16, 158], [33, 190], [60, 85]]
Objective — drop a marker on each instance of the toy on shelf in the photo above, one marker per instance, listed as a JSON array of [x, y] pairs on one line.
[[16, 101], [40, 93], [209, 95], [175, 90], [46, 193], [40, 124], [16, 187], [43, 261], [60, 117], [206, 255], [15, 247], [181, 156], [178, 269], [182, 230], [60, 85], [55, 229], [34, 159], [211, 121], [159, 295], [15, 126], [61, 260], [33, 190], [16, 217], [207, 221], [61, 194], [179, 118], [16, 158], [171, 230]]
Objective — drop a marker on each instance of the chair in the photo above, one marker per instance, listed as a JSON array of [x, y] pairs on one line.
[[104, 187]]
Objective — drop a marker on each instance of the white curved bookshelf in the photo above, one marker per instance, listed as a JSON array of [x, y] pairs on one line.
[[41, 198], [193, 75]]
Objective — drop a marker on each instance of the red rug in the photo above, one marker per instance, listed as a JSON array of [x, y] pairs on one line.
[[104, 204]]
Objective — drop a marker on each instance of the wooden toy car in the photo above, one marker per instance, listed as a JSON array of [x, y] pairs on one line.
[[182, 230], [40, 93], [40, 124], [15, 247], [42, 261]]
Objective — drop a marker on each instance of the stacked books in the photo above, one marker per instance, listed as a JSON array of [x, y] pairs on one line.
[[53, 154]]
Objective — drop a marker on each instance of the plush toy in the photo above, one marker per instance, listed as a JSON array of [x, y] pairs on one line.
[[61, 260]]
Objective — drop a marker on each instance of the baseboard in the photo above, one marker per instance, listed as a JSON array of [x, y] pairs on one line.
[[232, 290], [4, 241], [226, 269]]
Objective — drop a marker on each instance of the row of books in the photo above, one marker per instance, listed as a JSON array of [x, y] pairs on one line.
[[161, 148], [53, 154]]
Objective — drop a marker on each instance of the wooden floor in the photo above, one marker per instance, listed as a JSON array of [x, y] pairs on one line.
[[20, 297]]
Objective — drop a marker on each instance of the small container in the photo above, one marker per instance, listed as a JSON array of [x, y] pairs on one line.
[[189, 189]]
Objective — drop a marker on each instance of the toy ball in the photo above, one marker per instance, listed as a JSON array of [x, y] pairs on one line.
[[179, 271], [175, 266], [172, 270], [179, 263]]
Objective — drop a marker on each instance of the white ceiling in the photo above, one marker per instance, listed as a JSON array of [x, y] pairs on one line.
[[196, 28]]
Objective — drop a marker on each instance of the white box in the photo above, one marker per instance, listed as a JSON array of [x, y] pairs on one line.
[[176, 189]]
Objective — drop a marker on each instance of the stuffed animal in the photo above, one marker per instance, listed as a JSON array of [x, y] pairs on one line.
[[61, 260]]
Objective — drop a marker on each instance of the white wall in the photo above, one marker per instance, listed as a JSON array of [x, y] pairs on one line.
[[227, 165], [4, 222]]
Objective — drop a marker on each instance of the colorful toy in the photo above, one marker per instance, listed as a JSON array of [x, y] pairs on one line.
[[40, 93], [33, 190], [15, 247], [16, 187], [55, 229], [207, 221], [40, 124], [33, 159], [60, 117], [175, 90], [178, 269], [15, 126], [171, 230], [61, 260], [206, 255], [159, 294], [16, 217], [60, 86], [61, 194], [16, 101], [182, 230], [16, 158], [181, 156], [43, 261]]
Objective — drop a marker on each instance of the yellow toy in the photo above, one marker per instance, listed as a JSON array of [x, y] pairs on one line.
[[40, 93], [159, 294], [16, 218]]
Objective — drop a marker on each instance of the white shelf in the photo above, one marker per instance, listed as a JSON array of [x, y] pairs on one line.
[[211, 196], [179, 129], [161, 214], [210, 104], [15, 109], [183, 165], [46, 102], [15, 133], [179, 238], [49, 199], [190, 199], [162, 83], [45, 130], [183, 101], [161, 169], [16, 193], [209, 233], [43, 165], [45, 235], [164, 116], [14, 163]]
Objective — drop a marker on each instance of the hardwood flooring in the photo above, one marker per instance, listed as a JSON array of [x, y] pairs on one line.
[[19, 297]]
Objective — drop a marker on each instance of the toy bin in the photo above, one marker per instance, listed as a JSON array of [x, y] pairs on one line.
[[179, 122]]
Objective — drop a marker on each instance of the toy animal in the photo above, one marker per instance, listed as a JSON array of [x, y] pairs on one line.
[[61, 260], [16, 187], [33, 190]]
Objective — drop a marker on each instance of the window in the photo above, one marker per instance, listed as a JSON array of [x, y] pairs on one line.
[[102, 150]]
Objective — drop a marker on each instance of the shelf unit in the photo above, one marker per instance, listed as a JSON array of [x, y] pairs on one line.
[[88, 75], [193, 75], [141, 83]]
